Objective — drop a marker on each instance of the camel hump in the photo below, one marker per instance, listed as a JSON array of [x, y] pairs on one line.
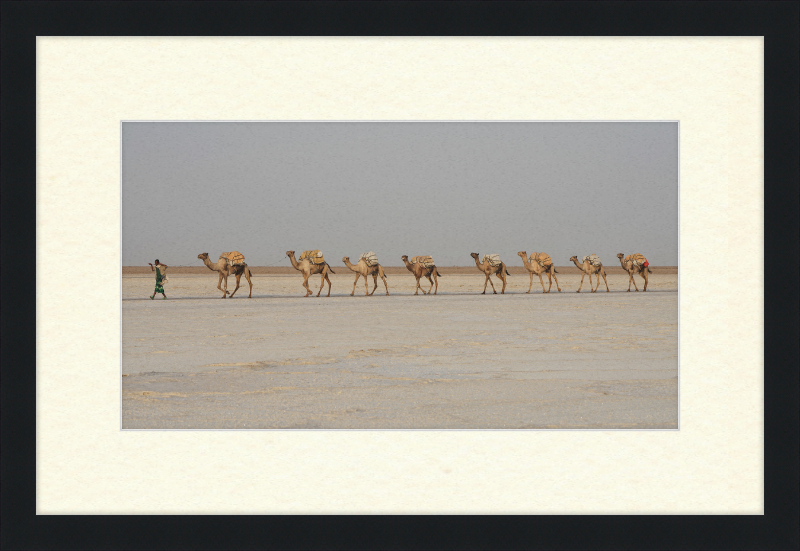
[[314, 256], [426, 261], [593, 259], [492, 259], [637, 259], [370, 258], [233, 258], [543, 259]]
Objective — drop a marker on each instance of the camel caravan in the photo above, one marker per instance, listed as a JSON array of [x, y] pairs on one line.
[[313, 262]]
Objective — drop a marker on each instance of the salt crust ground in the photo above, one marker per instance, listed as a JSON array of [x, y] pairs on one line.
[[458, 360]]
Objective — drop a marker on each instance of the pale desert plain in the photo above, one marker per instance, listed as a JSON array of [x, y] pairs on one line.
[[455, 360]]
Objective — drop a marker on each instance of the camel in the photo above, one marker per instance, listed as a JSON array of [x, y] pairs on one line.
[[587, 268], [500, 271], [421, 271], [225, 270], [535, 268], [308, 269], [363, 269], [633, 268]]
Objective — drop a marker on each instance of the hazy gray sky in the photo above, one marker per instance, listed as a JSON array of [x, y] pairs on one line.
[[441, 188]]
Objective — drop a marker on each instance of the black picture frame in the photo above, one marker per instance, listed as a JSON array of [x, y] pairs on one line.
[[778, 528]]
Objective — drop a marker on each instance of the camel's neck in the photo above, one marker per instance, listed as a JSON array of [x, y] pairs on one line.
[[408, 264], [211, 265], [350, 265], [479, 265], [625, 266], [294, 262], [525, 262], [580, 266]]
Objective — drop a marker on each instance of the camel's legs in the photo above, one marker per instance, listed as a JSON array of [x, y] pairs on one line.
[[383, 277], [502, 277], [644, 275], [329, 282], [366, 286], [354, 284], [541, 281], [305, 283], [428, 277], [219, 286], [238, 277], [603, 273], [375, 281], [597, 277], [630, 274], [531, 285], [379, 272], [322, 282], [424, 292], [553, 269], [436, 281], [489, 279], [505, 282], [247, 276], [549, 281], [581, 285]]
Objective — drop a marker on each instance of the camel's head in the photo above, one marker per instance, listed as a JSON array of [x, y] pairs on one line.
[[523, 254], [573, 258], [474, 255], [202, 256], [620, 255], [289, 253], [404, 257], [345, 259]]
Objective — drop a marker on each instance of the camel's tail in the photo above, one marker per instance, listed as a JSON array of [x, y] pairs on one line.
[[507, 272], [437, 272], [649, 271], [329, 268]]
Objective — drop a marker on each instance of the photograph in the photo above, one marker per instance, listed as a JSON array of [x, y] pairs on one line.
[[379, 275], [400, 274]]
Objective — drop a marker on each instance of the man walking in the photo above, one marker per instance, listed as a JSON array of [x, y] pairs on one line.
[[161, 274]]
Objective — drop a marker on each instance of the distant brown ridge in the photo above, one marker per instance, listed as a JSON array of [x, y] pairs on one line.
[[390, 270]]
